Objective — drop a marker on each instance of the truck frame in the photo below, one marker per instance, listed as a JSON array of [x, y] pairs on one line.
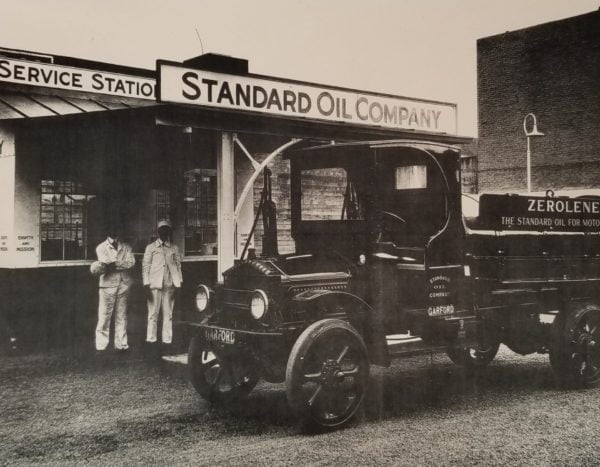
[[393, 268]]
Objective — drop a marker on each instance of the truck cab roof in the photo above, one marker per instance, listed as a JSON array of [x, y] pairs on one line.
[[349, 147]]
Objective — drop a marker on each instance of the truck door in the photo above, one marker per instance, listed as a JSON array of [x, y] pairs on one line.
[[417, 191], [406, 211]]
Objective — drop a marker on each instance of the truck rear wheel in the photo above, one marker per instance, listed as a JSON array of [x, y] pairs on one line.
[[575, 356], [218, 379], [473, 357], [327, 374]]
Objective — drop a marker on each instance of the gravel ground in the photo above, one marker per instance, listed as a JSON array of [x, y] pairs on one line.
[[424, 411]]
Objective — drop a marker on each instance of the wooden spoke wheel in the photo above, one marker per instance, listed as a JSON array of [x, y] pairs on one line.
[[575, 358], [473, 357], [216, 378], [327, 374]]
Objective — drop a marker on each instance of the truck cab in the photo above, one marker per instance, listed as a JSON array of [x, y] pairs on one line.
[[395, 216]]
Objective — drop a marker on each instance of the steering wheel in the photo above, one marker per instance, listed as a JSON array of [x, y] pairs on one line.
[[395, 217]]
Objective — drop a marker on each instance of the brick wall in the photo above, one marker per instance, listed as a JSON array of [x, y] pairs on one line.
[[327, 206], [552, 70]]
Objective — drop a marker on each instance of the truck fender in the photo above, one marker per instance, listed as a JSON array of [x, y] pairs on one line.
[[334, 302], [358, 313]]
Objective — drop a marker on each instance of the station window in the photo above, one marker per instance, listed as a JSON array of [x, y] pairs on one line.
[[411, 177], [63, 223], [201, 212], [162, 206]]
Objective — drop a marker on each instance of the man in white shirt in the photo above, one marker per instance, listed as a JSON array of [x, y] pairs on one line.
[[114, 287], [161, 274]]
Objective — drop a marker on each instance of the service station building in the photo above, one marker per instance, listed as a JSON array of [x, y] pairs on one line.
[[82, 142]]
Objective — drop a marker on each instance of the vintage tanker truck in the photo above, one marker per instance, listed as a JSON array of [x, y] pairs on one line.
[[393, 268]]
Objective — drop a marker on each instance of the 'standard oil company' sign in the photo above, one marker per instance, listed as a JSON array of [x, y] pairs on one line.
[[519, 212], [181, 85], [75, 79]]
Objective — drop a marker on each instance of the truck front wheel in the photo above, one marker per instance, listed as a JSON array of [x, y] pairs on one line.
[[575, 356], [327, 374], [218, 379]]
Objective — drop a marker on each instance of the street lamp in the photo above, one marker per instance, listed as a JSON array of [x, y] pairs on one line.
[[534, 132]]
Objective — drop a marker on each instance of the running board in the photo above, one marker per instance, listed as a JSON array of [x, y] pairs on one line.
[[399, 345], [180, 359], [403, 345]]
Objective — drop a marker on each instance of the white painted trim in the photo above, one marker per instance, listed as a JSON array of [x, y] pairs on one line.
[[225, 204]]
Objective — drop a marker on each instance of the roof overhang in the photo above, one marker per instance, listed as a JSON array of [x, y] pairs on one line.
[[248, 122], [20, 102]]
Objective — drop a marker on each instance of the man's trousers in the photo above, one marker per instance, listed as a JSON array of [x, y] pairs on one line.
[[161, 299], [112, 299]]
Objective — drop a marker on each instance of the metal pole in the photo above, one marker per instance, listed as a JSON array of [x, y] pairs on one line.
[[534, 132], [528, 166]]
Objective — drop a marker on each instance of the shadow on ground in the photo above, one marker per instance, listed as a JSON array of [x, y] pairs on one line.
[[54, 408], [413, 387]]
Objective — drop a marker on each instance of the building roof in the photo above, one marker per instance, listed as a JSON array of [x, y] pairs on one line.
[[17, 105], [31, 85], [579, 21]]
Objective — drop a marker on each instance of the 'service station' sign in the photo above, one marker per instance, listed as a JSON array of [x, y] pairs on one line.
[[75, 79], [513, 212], [181, 85]]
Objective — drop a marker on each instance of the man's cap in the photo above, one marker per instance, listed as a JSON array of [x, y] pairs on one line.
[[164, 223]]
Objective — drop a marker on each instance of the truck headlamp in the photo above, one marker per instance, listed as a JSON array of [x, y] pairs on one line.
[[259, 304], [202, 297]]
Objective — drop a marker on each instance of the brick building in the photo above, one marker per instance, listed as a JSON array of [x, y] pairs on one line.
[[553, 71]]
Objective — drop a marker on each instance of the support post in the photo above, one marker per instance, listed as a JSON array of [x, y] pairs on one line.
[[225, 204], [8, 258]]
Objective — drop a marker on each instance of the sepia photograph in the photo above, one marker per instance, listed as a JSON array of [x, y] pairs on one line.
[[300, 233]]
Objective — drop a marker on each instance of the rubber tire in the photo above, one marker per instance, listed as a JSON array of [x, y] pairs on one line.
[[561, 352], [196, 375], [310, 336]]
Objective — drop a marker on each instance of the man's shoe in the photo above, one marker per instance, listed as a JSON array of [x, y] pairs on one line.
[[122, 351], [100, 358]]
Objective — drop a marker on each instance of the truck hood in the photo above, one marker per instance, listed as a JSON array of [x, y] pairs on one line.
[[294, 270], [291, 265]]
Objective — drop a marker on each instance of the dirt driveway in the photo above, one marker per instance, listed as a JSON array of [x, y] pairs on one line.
[[423, 412]]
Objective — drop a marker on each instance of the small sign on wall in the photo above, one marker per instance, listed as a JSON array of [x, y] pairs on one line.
[[25, 243], [7, 253], [25, 250]]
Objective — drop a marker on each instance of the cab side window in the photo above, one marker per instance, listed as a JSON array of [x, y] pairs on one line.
[[411, 177]]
